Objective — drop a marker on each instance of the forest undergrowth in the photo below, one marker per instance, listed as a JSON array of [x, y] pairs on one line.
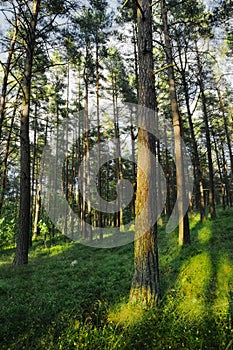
[[72, 296]]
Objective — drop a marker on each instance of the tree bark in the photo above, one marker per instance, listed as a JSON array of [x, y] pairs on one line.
[[100, 213], [226, 128], [7, 68], [184, 233], [145, 287], [198, 177], [21, 253], [207, 134], [5, 158]]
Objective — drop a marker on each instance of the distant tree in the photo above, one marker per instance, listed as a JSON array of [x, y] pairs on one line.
[[34, 30], [184, 233], [21, 253], [207, 134], [7, 65]]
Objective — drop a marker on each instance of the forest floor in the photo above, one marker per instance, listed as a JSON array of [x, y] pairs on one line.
[[75, 297]]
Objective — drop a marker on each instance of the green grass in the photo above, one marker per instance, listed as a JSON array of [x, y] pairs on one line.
[[52, 305]]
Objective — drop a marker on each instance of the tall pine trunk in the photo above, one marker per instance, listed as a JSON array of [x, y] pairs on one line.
[[184, 232], [21, 253], [207, 134], [145, 284], [100, 213], [6, 156], [198, 177], [7, 69]]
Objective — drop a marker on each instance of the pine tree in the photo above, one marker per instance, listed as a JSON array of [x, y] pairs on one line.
[[145, 284]]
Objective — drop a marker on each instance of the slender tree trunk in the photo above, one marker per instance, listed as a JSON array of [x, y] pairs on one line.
[[207, 134], [100, 213], [37, 205], [135, 57], [226, 128], [79, 155], [7, 69], [197, 165], [184, 234], [226, 186], [117, 213], [66, 175], [220, 169], [34, 178], [87, 228], [118, 168], [134, 179], [145, 287], [5, 159], [21, 253], [167, 175]]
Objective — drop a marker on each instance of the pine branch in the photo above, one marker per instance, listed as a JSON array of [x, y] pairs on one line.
[[163, 68]]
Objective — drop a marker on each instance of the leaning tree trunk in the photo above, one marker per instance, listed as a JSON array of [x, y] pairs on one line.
[[21, 253], [145, 284]]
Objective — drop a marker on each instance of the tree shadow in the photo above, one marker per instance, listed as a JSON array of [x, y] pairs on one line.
[[199, 279], [61, 284], [79, 284]]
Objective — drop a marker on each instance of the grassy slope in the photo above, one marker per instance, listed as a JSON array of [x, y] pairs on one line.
[[51, 304]]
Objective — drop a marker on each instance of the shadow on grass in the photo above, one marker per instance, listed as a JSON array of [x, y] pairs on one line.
[[198, 284], [57, 303], [61, 284]]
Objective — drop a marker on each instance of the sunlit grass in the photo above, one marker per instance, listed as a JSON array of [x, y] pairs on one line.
[[126, 314], [205, 233], [192, 283], [194, 221], [224, 284], [53, 304]]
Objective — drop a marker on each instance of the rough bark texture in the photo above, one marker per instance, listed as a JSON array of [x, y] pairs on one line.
[[145, 284], [21, 253]]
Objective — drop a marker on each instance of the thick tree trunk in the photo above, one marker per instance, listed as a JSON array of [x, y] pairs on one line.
[[145, 284]]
